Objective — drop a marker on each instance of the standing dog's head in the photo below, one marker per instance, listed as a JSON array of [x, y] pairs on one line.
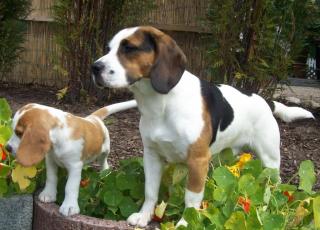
[[137, 53], [30, 140]]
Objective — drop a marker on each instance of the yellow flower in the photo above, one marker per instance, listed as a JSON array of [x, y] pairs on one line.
[[234, 169], [244, 158], [21, 175]]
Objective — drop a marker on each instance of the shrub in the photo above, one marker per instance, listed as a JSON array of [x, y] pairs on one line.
[[254, 42], [12, 30], [239, 194], [83, 30]]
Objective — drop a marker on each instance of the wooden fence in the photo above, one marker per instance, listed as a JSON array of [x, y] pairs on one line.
[[180, 18]]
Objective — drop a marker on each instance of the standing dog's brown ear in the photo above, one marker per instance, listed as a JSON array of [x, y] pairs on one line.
[[34, 145], [169, 65]]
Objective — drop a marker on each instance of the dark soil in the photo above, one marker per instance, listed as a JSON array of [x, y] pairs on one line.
[[300, 140]]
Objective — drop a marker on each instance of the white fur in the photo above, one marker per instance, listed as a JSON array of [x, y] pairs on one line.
[[67, 152], [117, 78], [171, 122], [289, 114]]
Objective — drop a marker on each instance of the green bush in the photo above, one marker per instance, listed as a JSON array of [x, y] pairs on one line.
[[83, 29], [255, 42], [239, 194], [12, 30]]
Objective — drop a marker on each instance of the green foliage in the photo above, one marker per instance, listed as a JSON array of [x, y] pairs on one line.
[[109, 194], [255, 42], [7, 163], [254, 200], [83, 29], [12, 31]]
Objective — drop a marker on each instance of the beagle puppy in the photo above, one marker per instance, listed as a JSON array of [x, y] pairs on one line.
[[64, 140], [183, 118]]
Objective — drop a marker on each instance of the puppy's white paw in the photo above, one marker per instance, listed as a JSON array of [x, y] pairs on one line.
[[140, 219], [69, 208], [47, 196], [182, 222]]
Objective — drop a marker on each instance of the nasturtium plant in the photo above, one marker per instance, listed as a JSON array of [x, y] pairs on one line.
[[14, 179], [239, 194]]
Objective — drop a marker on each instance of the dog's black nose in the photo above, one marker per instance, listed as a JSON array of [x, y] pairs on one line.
[[97, 68], [8, 148]]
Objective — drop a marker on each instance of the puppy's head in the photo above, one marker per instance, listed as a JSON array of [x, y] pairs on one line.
[[30, 140], [137, 53]]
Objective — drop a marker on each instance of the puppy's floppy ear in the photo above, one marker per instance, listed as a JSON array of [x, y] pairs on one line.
[[34, 145], [169, 65]]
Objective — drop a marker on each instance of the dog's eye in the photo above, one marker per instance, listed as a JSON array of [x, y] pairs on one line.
[[108, 49], [129, 48], [18, 133]]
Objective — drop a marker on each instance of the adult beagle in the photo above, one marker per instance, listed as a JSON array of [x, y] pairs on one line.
[[64, 140], [183, 118]]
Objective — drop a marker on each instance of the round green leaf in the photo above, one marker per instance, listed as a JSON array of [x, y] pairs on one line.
[[273, 222], [3, 186], [307, 176], [137, 192], [127, 207], [223, 177], [112, 197], [247, 184], [122, 182], [5, 111], [236, 221]]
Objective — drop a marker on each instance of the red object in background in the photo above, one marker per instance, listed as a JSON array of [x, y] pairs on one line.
[[84, 182], [3, 153], [287, 194], [245, 203]]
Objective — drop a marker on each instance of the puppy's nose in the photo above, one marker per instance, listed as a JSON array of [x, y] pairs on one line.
[[8, 148], [97, 68]]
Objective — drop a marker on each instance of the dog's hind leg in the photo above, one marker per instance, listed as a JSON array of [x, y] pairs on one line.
[[267, 144]]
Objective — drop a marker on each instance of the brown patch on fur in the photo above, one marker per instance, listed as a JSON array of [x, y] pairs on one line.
[[199, 156], [137, 64], [158, 57], [33, 127], [101, 113], [92, 133]]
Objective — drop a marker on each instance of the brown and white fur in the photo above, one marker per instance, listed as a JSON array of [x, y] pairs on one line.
[[64, 140], [183, 118]]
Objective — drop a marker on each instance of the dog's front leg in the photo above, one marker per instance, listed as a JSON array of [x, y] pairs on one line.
[[70, 204], [49, 192], [198, 163], [153, 167]]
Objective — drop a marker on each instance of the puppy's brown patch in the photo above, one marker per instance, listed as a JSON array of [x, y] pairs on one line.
[[199, 156], [33, 129], [92, 133]]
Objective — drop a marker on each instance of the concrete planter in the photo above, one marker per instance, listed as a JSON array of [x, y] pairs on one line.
[[16, 212], [47, 216]]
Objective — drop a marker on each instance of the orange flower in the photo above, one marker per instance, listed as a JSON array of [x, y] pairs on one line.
[[204, 205], [245, 203], [84, 183], [3, 153], [288, 195]]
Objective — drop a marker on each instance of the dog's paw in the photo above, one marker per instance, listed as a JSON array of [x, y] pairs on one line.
[[140, 219], [69, 208], [47, 196], [182, 222]]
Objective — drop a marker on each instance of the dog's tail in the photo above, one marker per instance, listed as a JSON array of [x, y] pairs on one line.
[[288, 114], [114, 108]]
